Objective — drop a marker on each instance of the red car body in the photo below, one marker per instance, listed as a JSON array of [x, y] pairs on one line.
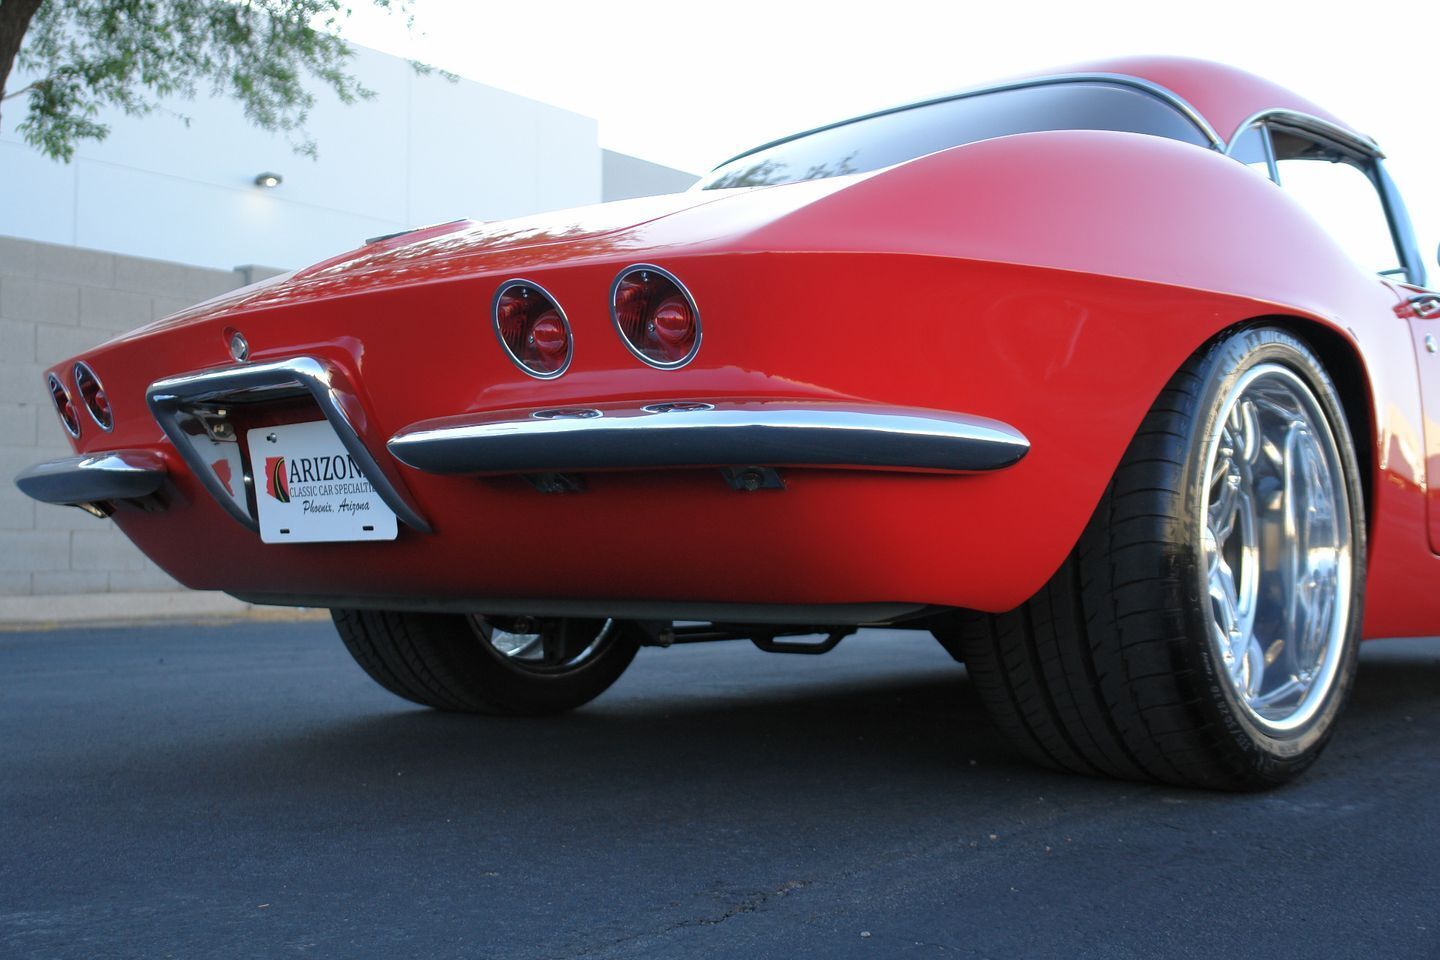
[[1052, 282]]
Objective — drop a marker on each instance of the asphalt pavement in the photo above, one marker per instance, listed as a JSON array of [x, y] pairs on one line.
[[245, 791]]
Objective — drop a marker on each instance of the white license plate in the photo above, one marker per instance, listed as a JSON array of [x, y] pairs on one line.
[[310, 490]]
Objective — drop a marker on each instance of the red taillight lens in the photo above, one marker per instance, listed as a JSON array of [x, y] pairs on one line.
[[533, 329], [61, 398], [656, 317], [93, 396], [549, 336]]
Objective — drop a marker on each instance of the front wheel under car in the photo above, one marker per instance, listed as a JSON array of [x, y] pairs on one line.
[[493, 665], [1204, 629]]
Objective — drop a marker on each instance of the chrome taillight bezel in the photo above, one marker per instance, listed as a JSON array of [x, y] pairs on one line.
[[684, 292], [57, 389], [525, 368], [81, 372]]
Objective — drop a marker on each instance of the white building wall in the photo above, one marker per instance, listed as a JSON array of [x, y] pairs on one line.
[[424, 150], [625, 177]]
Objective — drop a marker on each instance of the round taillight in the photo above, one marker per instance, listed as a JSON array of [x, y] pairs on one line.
[[533, 329], [92, 394], [656, 316], [61, 398]]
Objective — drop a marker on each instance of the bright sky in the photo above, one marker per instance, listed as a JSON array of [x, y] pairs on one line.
[[688, 84]]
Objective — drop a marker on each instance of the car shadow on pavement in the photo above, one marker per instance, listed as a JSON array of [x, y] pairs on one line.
[[253, 788], [698, 740]]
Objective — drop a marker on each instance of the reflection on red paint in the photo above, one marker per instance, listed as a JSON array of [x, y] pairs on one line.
[[222, 473]]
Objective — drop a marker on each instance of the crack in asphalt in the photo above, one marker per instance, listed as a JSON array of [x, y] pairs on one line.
[[748, 905]]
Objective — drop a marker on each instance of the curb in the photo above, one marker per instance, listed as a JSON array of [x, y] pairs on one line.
[[61, 611]]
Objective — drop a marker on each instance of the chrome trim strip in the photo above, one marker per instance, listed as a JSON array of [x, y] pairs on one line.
[[1310, 124], [95, 478], [1147, 86], [495, 322], [51, 383], [1272, 166], [718, 434], [172, 399], [684, 292]]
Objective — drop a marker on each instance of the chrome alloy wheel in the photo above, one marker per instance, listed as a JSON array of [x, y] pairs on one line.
[[1277, 554], [544, 645]]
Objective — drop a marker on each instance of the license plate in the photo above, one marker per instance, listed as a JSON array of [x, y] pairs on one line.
[[310, 490]]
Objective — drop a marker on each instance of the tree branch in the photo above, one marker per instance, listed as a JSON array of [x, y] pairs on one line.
[[23, 90], [15, 17]]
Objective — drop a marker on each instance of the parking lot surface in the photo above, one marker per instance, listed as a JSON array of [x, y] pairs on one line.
[[244, 790]]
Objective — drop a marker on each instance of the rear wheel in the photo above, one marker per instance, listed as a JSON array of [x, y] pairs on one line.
[[493, 665], [1204, 630]]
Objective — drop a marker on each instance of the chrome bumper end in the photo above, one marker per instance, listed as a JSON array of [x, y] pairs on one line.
[[769, 433], [97, 482]]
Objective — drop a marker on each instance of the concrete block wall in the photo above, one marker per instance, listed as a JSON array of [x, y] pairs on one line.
[[55, 302]]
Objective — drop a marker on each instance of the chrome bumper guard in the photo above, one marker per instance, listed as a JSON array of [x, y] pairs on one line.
[[194, 410], [96, 483], [710, 434]]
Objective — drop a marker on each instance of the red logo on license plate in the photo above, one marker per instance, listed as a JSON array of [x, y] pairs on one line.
[[277, 484]]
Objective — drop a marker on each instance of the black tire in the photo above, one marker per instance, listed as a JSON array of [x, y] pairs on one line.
[[1109, 669], [445, 661]]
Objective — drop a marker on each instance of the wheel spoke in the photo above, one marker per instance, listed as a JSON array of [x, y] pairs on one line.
[[1226, 607], [1250, 417], [1254, 672], [1289, 688], [526, 647], [550, 645], [1226, 499]]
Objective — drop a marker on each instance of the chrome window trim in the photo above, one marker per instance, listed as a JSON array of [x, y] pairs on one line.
[[172, 399], [75, 375], [1308, 123], [495, 323], [718, 433], [1165, 95], [51, 382], [1297, 118], [1402, 229], [1271, 164], [689, 298], [1397, 217]]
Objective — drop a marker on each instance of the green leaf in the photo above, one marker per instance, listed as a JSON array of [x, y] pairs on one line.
[[267, 55]]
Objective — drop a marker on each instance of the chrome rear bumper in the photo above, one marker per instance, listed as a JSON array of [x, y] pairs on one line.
[[772, 433], [95, 483], [194, 411]]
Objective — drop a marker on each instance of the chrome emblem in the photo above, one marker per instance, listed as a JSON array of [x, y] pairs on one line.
[[239, 347]]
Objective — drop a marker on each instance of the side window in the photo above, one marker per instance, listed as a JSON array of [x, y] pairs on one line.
[[1335, 188], [1252, 148]]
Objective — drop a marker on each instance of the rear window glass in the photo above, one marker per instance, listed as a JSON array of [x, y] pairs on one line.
[[874, 142]]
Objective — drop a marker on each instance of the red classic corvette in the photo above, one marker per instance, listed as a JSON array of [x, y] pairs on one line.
[[1107, 377]]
